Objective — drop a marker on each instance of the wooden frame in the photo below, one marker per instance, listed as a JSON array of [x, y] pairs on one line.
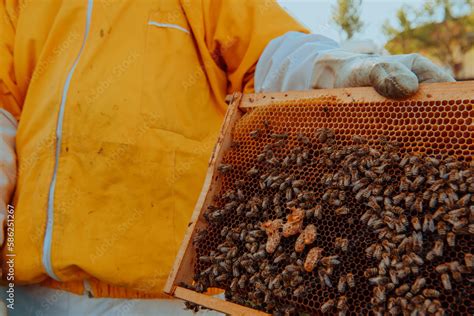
[[182, 270]]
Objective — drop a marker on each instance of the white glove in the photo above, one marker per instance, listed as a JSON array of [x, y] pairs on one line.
[[8, 126], [297, 61]]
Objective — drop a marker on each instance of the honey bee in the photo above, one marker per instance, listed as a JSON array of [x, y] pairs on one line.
[[389, 190], [403, 273], [458, 212], [224, 168], [255, 133], [325, 135], [380, 293], [410, 200], [265, 202], [378, 251], [418, 285], [416, 259], [253, 171], [446, 281], [451, 239], [431, 293], [397, 199], [342, 243], [371, 272], [221, 278], [359, 184], [416, 184], [404, 161], [393, 276], [350, 279], [417, 241], [378, 280], [294, 223], [327, 306], [402, 289], [433, 307], [303, 139], [318, 211], [437, 250], [442, 268], [405, 184], [242, 281], [366, 216], [279, 136], [261, 157], [359, 139], [415, 223], [342, 303], [457, 276], [299, 291], [299, 160], [459, 224], [432, 161], [330, 260], [307, 236], [200, 235], [433, 200], [341, 285], [369, 251], [312, 258], [275, 283], [324, 278], [469, 260], [418, 204], [397, 210], [440, 211], [462, 202], [387, 245], [441, 227], [343, 210], [272, 228], [398, 238], [373, 204], [234, 284]]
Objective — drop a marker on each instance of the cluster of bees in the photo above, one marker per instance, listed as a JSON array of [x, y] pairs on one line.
[[268, 255], [430, 197]]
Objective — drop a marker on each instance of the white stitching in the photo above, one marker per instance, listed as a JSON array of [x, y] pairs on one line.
[[167, 25]]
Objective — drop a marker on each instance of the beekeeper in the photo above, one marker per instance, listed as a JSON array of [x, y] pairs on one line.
[[108, 113]]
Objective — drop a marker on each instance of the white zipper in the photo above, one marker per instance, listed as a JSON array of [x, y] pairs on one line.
[[59, 130]]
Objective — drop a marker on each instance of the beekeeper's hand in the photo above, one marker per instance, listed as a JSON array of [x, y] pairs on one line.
[[8, 125], [297, 61]]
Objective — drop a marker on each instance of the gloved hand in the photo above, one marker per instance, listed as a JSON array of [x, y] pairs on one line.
[[8, 126], [297, 61]]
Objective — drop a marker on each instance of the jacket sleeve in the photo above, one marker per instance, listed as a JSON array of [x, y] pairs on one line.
[[237, 32], [9, 106]]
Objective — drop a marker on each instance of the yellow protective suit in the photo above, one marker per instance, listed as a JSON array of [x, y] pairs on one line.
[[119, 103]]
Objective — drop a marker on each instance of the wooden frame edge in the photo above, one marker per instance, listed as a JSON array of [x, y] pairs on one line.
[[215, 303], [230, 116], [448, 90]]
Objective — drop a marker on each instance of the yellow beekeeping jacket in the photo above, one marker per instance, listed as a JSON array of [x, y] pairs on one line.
[[119, 104]]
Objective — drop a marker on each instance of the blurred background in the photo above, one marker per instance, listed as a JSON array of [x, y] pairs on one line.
[[442, 30]]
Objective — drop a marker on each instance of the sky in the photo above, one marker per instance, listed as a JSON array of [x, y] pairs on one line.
[[316, 15]]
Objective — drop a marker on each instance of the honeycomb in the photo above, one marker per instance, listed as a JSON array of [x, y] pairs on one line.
[[440, 129]]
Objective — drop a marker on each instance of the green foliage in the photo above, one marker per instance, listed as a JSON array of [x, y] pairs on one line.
[[346, 14], [436, 31]]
